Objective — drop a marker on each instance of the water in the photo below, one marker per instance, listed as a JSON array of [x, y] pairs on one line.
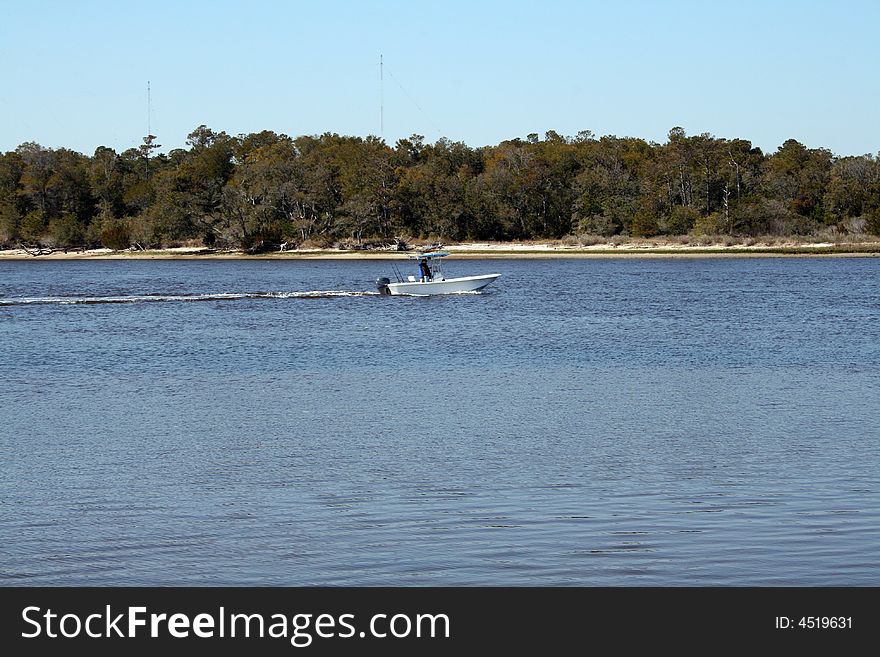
[[581, 422]]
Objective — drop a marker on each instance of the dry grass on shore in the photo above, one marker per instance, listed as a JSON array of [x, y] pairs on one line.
[[572, 246]]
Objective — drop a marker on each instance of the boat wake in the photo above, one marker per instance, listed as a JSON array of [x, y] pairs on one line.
[[168, 298], [461, 293]]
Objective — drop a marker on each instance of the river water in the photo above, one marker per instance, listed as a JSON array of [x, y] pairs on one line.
[[650, 422]]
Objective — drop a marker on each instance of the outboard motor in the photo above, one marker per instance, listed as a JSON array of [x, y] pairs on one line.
[[382, 285]]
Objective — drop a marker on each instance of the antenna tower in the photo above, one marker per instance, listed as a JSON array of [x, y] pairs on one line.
[[381, 98]]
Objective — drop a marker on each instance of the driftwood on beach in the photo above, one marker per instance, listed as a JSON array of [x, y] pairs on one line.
[[36, 250], [392, 244]]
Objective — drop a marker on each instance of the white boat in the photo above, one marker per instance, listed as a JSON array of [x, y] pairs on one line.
[[431, 279]]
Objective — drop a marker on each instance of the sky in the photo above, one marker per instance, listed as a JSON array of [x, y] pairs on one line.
[[75, 74]]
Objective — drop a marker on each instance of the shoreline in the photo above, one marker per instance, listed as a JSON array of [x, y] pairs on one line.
[[481, 250]]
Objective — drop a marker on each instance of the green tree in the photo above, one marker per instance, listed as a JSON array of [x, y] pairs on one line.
[[38, 168], [190, 196], [261, 197], [66, 231], [607, 189], [853, 187], [798, 177], [11, 206], [432, 195]]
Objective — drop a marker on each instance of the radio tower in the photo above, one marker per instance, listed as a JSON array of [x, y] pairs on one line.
[[381, 99]]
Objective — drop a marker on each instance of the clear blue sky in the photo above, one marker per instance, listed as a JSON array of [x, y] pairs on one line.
[[74, 73]]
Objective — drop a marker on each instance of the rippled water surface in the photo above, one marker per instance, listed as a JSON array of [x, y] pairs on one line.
[[581, 422]]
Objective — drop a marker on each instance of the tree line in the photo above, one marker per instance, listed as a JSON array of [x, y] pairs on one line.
[[266, 188]]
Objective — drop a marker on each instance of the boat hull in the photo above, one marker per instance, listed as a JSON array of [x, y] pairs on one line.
[[446, 286]]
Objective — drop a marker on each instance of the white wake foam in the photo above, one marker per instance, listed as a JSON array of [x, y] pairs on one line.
[[167, 298]]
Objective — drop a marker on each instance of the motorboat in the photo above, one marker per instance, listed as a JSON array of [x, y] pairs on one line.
[[430, 279]]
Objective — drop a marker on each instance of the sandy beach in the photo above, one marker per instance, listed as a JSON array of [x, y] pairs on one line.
[[501, 250]]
